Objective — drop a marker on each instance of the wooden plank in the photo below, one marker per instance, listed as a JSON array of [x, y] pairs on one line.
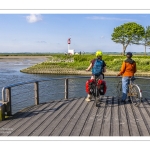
[[31, 124], [115, 122], [82, 119], [63, 125], [15, 121], [47, 120], [105, 131], [146, 106], [145, 115], [99, 118], [20, 114], [124, 123], [46, 114], [74, 119], [18, 125], [90, 121], [133, 130], [139, 121], [54, 123]]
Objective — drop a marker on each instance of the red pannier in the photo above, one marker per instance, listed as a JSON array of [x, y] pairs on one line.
[[101, 86], [88, 85]]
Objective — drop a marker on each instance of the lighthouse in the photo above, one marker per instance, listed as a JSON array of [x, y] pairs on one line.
[[69, 42], [70, 51]]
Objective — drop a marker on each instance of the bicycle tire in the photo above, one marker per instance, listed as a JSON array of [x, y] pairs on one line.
[[136, 95], [97, 97], [119, 89]]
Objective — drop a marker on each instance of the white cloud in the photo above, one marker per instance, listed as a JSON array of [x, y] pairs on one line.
[[109, 18], [102, 37], [33, 18]]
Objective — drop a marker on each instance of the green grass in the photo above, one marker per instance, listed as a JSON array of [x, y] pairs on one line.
[[81, 62]]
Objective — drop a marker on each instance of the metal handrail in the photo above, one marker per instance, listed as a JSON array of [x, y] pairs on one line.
[[33, 81], [36, 82]]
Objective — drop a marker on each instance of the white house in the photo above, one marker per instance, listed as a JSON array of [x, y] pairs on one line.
[[71, 51]]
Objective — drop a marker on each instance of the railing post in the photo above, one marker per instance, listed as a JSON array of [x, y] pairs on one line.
[[66, 88], [8, 102], [2, 111], [36, 92]]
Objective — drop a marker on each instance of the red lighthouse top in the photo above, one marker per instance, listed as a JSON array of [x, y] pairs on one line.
[[69, 40]]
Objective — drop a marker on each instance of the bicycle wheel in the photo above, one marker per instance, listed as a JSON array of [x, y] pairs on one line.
[[119, 89], [136, 95], [97, 97]]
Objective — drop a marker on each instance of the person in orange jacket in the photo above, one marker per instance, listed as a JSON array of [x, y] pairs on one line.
[[128, 69]]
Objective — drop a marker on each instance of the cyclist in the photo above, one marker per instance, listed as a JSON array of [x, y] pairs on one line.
[[127, 70], [91, 66]]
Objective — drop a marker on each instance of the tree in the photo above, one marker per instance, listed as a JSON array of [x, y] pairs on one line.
[[128, 33], [146, 38]]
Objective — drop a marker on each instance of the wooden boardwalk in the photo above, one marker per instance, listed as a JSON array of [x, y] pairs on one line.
[[76, 117]]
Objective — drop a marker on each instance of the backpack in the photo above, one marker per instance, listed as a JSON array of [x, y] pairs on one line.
[[97, 67]]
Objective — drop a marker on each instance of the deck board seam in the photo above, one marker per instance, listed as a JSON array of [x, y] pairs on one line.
[[71, 133], [146, 108], [111, 118], [145, 122], [85, 123], [71, 118], [20, 119], [120, 119], [37, 118], [67, 102], [64, 116], [103, 120], [28, 119], [128, 122], [43, 120], [137, 123]]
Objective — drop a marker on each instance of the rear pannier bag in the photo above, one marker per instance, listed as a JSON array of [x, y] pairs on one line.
[[101, 86]]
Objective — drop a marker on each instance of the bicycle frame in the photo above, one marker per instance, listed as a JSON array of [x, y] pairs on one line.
[[96, 92], [134, 92]]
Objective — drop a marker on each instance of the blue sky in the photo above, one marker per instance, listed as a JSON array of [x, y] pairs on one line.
[[50, 32]]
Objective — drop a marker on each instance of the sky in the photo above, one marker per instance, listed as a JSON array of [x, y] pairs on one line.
[[49, 32], [45, 26]]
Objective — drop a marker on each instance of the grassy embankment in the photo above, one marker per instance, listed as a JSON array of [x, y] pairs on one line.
[[76, 65]]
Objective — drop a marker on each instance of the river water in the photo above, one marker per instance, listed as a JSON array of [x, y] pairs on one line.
[[10, 71], [10, 74]]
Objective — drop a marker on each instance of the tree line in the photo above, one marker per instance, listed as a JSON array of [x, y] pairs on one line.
[[131, 33]]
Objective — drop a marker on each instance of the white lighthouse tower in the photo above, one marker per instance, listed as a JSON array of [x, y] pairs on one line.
[[70, 51], [69, 42]]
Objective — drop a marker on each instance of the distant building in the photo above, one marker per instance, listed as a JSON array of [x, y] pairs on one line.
[[71, 51]]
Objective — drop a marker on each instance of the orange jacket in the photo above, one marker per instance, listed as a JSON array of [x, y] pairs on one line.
[[128, 68]]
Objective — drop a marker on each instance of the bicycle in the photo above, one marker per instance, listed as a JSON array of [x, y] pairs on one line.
[[97, 90], [134, 91]]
